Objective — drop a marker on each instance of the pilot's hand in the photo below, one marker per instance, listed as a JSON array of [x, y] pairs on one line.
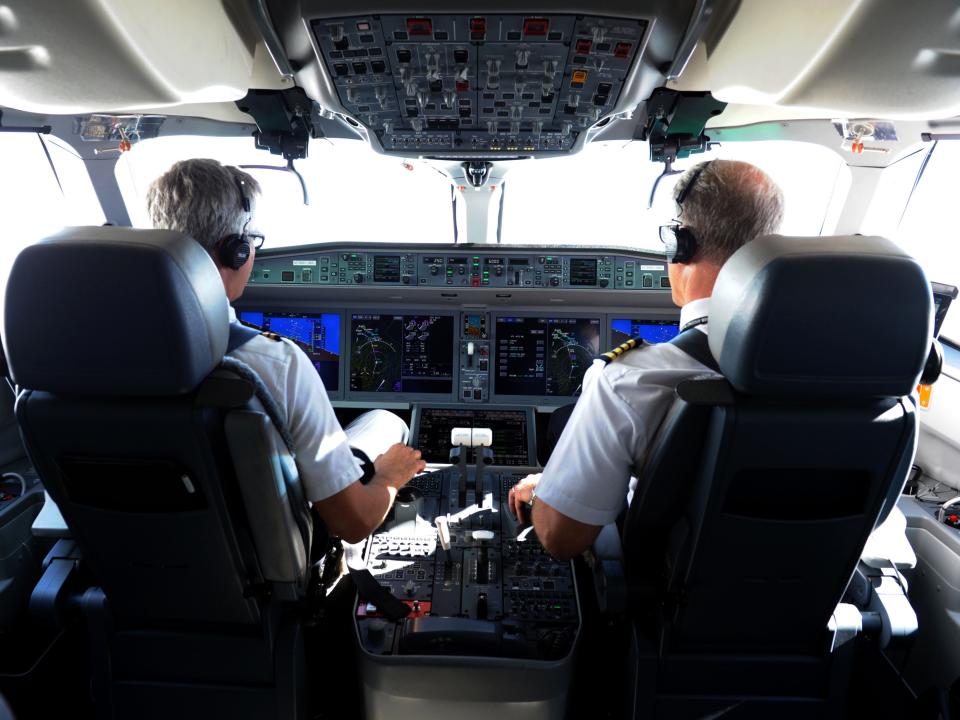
[[397, 466], [521, 494]]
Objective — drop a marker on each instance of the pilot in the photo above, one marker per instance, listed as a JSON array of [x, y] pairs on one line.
[[723, 204], [214, 204]]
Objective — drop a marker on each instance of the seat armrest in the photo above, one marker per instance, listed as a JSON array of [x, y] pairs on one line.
[[605, 560], [888, 545]]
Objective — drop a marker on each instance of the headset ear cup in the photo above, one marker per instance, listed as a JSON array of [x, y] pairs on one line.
[[686, 246], [233, 251]]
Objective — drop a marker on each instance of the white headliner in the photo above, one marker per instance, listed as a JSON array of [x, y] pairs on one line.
[[773, 60]]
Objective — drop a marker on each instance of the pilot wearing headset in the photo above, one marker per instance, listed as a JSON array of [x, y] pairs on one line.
[[721, 205], [214, 204]]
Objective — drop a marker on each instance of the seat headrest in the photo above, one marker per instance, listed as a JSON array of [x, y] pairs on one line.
[[846, 316], [114, 311]]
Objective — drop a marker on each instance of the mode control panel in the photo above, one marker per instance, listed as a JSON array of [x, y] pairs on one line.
[[450, 267]]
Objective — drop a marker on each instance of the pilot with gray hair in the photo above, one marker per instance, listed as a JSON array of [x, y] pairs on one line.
[[214, 204], [721, 206]]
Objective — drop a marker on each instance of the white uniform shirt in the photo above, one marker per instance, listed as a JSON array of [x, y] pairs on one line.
[[609, 432], [324, 459]]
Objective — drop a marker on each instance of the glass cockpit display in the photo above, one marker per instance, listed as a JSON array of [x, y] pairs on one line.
[[652, 331], [401, 353], [509, 427], [544, 356], [317, 334]]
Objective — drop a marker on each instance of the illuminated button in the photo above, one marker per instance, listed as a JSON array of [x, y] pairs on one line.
[[579, 76]]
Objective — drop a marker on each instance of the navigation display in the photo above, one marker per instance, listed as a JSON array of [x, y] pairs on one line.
[[652, 331], [401, 353], [510, 433], [544, 356], [317, 334]]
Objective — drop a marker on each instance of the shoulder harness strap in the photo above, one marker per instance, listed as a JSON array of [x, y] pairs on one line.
[[239, 335], [696, 344]]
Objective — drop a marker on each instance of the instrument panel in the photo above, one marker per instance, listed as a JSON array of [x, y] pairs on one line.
[[392, 324], [465, 356]]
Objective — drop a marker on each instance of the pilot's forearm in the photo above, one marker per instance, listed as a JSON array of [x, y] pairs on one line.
[[563, 537], [356, 511]]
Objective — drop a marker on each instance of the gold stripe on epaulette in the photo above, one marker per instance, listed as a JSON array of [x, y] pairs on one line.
[[612, 355], [271, 336]]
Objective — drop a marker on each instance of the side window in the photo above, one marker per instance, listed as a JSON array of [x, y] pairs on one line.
[[930, 227], [33, 203]]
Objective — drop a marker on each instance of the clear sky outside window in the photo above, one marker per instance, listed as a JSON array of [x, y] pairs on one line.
[[930, 227], [600, 196], [356, 195], [33, 204]]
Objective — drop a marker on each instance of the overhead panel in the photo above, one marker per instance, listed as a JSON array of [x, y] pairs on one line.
[[478, 85]]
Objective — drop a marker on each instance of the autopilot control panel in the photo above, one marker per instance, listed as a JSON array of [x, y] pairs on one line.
[[458, 268]]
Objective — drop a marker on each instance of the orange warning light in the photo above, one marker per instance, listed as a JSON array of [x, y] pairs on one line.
[[925, 391]]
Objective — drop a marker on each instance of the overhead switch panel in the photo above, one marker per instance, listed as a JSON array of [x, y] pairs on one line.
[[476, 85]]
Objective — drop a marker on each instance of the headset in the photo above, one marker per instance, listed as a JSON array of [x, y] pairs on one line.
[[680, 243], [234, 250]]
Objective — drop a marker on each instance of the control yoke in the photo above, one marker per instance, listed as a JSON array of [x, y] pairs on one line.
[[461, 439]]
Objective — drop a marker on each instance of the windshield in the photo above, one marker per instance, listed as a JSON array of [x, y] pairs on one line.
[[355, 195], [597, 197], [600, 196]]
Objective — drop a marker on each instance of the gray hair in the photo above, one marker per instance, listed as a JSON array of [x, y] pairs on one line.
[[730, 204], [202, 198]]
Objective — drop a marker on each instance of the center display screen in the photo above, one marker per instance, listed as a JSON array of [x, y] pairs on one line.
[[652, 331], [317, 334], [401, 353], [544, 356], [510, 433]]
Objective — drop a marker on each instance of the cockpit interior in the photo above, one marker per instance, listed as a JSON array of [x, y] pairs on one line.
[[468, 221]]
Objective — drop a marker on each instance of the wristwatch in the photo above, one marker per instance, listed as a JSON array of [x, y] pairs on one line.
[[533, 498]]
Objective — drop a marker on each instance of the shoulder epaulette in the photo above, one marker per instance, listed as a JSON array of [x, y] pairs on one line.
[[610, 356], [271, 335]]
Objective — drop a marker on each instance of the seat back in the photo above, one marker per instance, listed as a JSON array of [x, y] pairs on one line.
[[760, 489], [172, 479]]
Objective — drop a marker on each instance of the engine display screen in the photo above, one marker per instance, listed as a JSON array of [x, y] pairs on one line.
[[544, 356], [401, 353], [317, 334], [510, 433], [652, 331]]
